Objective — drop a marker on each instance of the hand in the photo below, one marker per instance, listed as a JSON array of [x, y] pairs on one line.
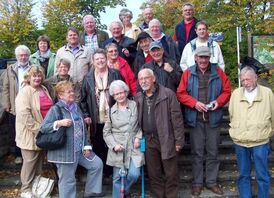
[[64, 122], [215, 105], [136, 143], [168, 67], [87, 153], [119, 148], [200, 107], [178, 148], [88, 120], [125, 52]]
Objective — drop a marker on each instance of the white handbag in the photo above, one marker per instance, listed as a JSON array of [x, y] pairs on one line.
[[42, 187]]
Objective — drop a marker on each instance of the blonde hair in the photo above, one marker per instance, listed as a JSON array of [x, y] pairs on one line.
[[34, 69], [62, 86]]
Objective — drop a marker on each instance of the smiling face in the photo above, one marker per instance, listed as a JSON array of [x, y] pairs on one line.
[[119, 95], [100, 61], [157, 54], [155, 29], [146, 80], [202, 62], [144, 44], [72, 38], [148, 15], [112, 53], [68, 95], [43, 46], [116, 30], [62, 69], [89, 25], [202, 31], [36, 80], [187, 12], [22, 57]]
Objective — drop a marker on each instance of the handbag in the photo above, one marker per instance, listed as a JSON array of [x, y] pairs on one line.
[[54, 140], [42, 186]]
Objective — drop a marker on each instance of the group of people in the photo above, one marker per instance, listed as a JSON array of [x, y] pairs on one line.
[[109, 93]]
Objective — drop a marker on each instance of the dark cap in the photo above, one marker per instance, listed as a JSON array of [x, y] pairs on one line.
[[143, 35], [155, 44], [203, 51]]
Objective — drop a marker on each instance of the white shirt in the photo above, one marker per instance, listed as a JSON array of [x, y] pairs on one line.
[[250, 96], [21, 73]]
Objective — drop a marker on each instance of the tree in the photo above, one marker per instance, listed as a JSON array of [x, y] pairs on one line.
[[17, 26]]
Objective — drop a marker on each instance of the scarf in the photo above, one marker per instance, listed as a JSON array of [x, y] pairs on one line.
[[72, 107], [102, 95], [43, 57]]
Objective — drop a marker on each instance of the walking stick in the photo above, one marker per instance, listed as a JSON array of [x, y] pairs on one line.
[[143, 149], [123, 173]]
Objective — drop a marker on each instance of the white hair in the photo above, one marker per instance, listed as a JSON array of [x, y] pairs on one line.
[[88, 16], [117, 22], [20, 48], [118, 84]]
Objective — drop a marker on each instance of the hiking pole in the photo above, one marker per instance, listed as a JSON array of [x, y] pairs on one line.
[[123, 174], [143, 149]]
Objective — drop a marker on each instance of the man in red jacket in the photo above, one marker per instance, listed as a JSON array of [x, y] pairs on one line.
[[204, 89]]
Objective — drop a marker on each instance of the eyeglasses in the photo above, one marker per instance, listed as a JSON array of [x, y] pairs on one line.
[[112, 51], [119, 93], [69, 91]]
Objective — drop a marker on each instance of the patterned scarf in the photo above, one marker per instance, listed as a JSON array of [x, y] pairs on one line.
[[43, 57]]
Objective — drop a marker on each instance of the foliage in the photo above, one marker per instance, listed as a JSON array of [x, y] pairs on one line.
[[17, 26], [254, 16]]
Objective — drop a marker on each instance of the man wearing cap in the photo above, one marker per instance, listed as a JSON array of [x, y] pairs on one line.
[[142, 55], [251, 113], [166, 70], [204, 89]]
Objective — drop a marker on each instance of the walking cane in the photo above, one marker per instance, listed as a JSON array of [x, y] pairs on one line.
[[143, 149], [123, 173]]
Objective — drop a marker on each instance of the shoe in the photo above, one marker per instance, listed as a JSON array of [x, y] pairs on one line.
[[27, 195], [18, 160], [196, 190], [216, 189], [91, 195]]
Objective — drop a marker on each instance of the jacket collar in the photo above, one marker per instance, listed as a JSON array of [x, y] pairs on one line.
[[257, 98]]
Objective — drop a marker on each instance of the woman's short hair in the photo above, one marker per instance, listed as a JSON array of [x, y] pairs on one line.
[[65, 62], [99, 51], [111, 45], [125, 12], [34, 69], [62, 86], [43, 38], [118, 84]]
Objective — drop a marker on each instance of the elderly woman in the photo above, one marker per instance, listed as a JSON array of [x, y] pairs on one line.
[[130, 30], [43, 56], [77, 149], [62, 74], [117, 62], [122, 135], [32, 104], [96, 101]]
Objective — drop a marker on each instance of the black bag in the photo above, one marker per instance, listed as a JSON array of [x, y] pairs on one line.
[[55, 140]]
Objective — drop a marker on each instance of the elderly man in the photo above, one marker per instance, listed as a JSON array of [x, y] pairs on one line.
[[187, 58], [169, 45], [79, 57], [185, 30], [12, 83], [142, 55], [92, 37], [204, 89], [147, 16], [167, 71], [161, 121], [126, 45], [251, 110]]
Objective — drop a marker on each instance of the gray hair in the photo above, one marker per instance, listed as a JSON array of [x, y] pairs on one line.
[[118, 84], [88, 16], [20, 48], [147, 70], [248, 69], [125, 12], [118, 22], [154, 21], [188, 4]]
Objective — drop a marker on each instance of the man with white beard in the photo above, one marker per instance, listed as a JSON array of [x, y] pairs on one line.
[[12, 83]]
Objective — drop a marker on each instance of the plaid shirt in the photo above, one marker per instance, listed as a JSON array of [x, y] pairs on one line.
[[91, 42]]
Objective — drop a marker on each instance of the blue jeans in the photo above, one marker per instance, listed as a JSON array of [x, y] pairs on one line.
[[132, 176], [245, 157]]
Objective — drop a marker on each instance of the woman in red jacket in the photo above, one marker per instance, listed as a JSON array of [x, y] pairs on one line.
[[117, 62]]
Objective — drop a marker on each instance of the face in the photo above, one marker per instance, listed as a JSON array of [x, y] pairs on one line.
[[155, 29], [43, 46], [100, 61], [22, 57], [116, 30], [144, 44], [146, 80], [72, 38], [126, 20], [157, 54], [112, 53], [202, 31], [120, 95], [202, 62], [62, 69], [248, 81], [148, 15], [68, 95], [188, 12], [89, 25], [36, 80]]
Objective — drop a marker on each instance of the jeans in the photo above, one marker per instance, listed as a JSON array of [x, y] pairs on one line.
[[132, 176], [245, 157]]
